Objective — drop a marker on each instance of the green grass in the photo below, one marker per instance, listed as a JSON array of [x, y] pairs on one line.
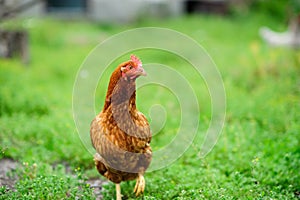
[[256, 157], [44, 182]]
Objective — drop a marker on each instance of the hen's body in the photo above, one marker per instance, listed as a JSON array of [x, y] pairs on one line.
[[121, 134]]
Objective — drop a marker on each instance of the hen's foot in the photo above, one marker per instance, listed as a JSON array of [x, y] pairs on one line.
[[140, 185]]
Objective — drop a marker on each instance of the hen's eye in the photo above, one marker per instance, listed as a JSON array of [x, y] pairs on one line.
[[130, 67]]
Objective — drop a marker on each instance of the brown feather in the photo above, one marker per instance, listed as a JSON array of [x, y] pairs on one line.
[[120, 133]]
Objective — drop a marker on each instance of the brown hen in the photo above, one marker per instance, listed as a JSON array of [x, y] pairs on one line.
[[120, 133]]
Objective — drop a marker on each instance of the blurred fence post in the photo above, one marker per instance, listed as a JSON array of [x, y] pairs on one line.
[[14, 43]]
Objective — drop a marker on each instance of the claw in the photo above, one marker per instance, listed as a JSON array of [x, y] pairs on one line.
[[140, 185]]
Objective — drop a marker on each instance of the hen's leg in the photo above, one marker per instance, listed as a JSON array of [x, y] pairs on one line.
[[140, 185], [118, 191]]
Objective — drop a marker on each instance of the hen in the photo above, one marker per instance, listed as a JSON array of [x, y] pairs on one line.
[[120, 133]]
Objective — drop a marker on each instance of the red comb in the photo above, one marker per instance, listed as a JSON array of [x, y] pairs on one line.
[[136, 60]]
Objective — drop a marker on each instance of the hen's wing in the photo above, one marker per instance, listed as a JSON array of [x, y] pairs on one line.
[[120, 156], [103, 147]]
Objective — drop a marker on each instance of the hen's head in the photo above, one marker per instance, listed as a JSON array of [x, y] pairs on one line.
[[132, 69], [124, 76]]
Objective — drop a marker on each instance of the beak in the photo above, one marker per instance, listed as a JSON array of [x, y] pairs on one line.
[[141, 72]]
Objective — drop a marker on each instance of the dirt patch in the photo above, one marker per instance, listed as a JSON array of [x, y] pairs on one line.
[[9, 179], [96, 185], [7, 166]]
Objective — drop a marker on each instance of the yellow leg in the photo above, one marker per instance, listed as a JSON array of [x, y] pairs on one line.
[[118, 191], [140, 185]]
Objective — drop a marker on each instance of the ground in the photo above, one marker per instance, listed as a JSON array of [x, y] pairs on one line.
[[7, 166]]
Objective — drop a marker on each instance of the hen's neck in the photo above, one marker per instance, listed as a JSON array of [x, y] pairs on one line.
[[121, 92]]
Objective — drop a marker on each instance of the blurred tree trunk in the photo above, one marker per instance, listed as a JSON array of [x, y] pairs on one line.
[[14, 43]]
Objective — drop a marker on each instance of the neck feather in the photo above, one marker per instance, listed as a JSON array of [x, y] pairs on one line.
[[120, 91]]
